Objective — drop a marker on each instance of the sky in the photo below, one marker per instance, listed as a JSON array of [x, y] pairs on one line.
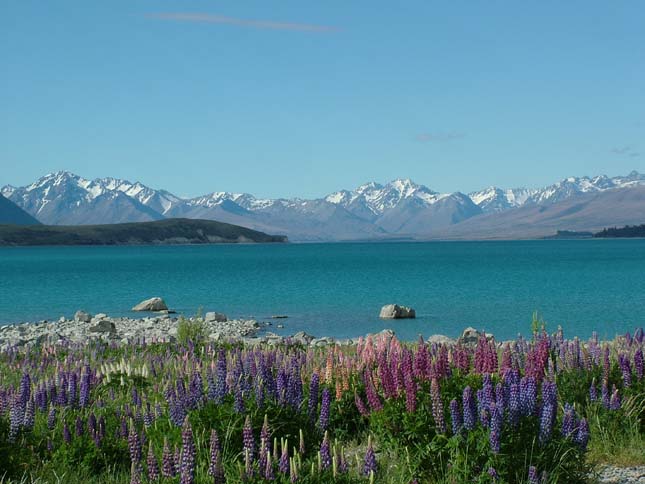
[[291, 98]]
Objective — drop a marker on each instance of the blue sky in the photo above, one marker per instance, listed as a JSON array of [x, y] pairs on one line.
[[293, 98]]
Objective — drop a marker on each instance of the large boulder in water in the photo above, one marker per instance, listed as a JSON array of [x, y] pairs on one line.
[[394, 311], [152, 304]]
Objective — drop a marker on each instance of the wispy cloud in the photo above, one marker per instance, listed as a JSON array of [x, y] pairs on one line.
[[625, 151], [256, 24], [429, 137]]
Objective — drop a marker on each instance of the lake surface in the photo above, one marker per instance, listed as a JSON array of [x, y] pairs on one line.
[[338, 289]]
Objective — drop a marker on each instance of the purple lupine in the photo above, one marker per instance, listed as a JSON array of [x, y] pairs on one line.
[[626, 370], [495, 428], [79, 427], [437, 406], [639, 363], [262, 456], [533, 475], [582, 435], [593, 391], [528, 395], [369, 461], [373, 399], [455, 417], [410, 392], [605, 396], [492, 472], [16, 417], [67, 436], [468, 400], [323, 420], [135, 473], [283, 465], [614, 402], [167, 461], [247, 439], [51, 417], [312, 405], [153, 465], [187, 471], [546, 422], [269, 475], [569, 423], [84, 395], [71, 389], [514, 409], [238, 395], [325, 452], [134, 445], [215, 468], [29, 417]]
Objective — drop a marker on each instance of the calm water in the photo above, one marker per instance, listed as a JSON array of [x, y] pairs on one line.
[[337, 289]]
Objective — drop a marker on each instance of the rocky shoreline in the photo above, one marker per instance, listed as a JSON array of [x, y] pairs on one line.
[[162, 326]]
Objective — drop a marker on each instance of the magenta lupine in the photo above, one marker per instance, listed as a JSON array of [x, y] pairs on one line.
[[187, 471], [410, 393], [437, 406], [373, 399], [153, 465], [360, 405]]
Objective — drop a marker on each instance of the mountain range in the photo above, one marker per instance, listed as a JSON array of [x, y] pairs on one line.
[[398, 209]]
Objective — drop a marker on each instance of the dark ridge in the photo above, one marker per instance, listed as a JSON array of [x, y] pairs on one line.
[[627, 231], [10, 213], [160, 232]]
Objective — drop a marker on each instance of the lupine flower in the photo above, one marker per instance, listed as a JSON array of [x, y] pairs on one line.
[[323, 421], [215, 465], [495, 428], [469, 409], [301, 446], [67, 436], [313, 397], [360, 405], [493, 474], [135, 473], [84, 395], [167, 461], [455, 417], [533, 475], [593, 391], [569, 423], [325, 452], [369, 462], [187, 471], [284, 464], [247, 437], [582, 435], [614, 403], [79, 426], [153, 466], [51, 417], [437, 406]]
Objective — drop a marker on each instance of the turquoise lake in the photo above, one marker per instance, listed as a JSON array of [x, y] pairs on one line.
[[338, 289]]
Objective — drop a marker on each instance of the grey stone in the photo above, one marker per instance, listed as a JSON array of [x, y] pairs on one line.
[[394, 311], [302, 338], [82, 317], [471, 336], [104, 326], [152, 304], [440, 339], [213, 317]]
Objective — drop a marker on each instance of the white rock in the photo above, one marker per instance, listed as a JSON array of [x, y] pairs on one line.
[[394, 311], [152, 304]]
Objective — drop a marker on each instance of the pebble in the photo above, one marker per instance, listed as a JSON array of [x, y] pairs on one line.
[[622, 475]]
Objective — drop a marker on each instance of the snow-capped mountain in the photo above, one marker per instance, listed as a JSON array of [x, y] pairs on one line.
[[495, 199], [372, 210]]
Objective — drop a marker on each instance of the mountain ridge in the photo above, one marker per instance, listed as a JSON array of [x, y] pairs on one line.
[[372, 210]]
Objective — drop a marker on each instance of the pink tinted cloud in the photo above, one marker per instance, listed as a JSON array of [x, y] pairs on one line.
[[257, 24]]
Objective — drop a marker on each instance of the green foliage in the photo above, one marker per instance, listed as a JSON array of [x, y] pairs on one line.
[[191, 331]]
